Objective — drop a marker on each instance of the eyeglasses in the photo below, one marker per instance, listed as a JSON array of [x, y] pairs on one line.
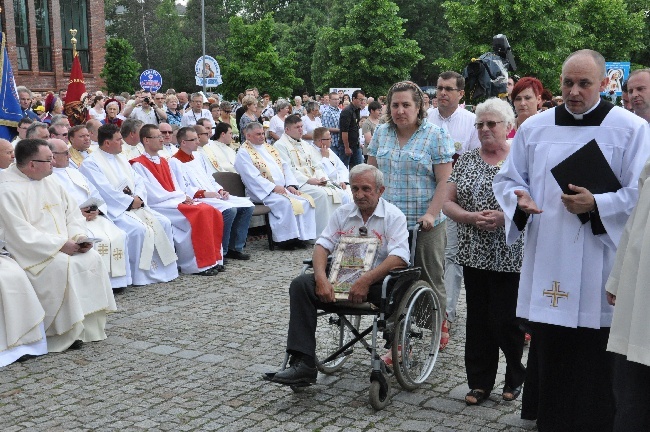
[[326, 139], [65, 134], [155, 137], [44, 161], [62, 153], [190, 140], [447, 89], [490, 124], [226, 111], [167, 132]]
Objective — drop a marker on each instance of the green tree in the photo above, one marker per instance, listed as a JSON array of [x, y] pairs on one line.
[[252, 60], [120, 71], [131, 20], [369, 51], [641, 56]]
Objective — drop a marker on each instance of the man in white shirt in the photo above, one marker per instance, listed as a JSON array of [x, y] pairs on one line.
[[144, 109], [196, 112], [460, 125]]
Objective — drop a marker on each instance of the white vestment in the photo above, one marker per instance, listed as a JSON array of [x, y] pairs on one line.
[[300, 156], [112, 248], [286, 223], [21, 314], [565, 265], [38, 218], [77, 157], [168, 151], [220, 156], [166, 203], [149, 235], [333, 167], [130, 151]]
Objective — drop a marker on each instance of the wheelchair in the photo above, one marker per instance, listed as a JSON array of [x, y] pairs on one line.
[[407, 315]]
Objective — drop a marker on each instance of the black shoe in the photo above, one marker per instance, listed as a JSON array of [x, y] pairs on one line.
[[212, 271], [287, 245], [118, 290], [76, 345], [220, 267], [297, 373], [300, 244], [25, 358], [237, 255]]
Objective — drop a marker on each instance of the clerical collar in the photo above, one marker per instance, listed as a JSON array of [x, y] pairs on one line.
[[592, 117], [293, 141], [581, 116], [154, 159]]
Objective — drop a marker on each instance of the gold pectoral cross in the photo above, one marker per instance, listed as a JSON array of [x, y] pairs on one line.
[[48, 208], [555, 293]]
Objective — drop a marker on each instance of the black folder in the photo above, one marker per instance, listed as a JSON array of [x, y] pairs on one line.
[[587, 168]]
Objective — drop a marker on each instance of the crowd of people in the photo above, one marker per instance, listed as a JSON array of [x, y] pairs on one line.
[[129, 198]]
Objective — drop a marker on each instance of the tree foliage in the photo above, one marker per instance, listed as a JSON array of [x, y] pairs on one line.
[[252, 60], [120, 71], [369, 51]]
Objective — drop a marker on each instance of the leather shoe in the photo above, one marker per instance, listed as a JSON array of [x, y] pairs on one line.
[[297, 373], [220, 267], [212, 271], [237, 255], [287, 245], [76, 345]]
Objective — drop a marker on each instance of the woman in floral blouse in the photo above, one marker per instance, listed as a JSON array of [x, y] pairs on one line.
[[490, 267]]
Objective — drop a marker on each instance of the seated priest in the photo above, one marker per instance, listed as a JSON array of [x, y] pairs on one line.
[[198, 227], [269, 180], [46, 234], [22, 333], [79, 145], [369, 213], [6, 154], [190, 168], [112, 246], [327, 159], [301, 155], [218, 151], [150, 242]]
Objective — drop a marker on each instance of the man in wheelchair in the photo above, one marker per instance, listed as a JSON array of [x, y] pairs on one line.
[[369, 214]]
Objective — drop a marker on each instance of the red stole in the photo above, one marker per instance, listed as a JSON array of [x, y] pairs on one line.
[[205, 220], [183, 157]]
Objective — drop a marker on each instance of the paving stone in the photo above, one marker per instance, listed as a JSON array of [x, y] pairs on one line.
[[163, 349]]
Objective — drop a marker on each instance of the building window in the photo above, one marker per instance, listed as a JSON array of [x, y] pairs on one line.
[[44, 46], [22, 34], [74, 15]]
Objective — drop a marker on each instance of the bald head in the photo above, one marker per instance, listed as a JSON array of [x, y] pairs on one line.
[[93, 125], [60, 153], [595, 56], [6, 154]]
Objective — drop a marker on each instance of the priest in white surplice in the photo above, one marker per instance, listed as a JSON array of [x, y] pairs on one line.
[[79, 145], [268, 179], [6, 154], [22, 333], [150, 243], [131, 145], [566, 263], [327, 159], [45, 233], [190, 170], [112, 247], [198, 227], [169, 149], [220, 155], [310, 176]]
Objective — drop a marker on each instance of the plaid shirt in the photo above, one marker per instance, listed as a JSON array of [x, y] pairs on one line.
[[408, 171], [330, 118]]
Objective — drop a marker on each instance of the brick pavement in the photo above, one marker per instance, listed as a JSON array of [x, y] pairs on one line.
[[187, 356]]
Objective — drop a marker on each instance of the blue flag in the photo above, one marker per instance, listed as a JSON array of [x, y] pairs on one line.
[[10, 112]]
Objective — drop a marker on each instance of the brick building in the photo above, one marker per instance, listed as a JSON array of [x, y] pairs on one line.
[[38, 41]]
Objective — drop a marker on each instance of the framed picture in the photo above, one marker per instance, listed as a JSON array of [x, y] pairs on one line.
[[352, 257]]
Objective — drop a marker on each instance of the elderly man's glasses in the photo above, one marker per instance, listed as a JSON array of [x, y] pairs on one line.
[[490, 124], [447, 89]]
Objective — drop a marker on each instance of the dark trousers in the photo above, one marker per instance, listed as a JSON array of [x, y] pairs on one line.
[[303, 307], [492, 325], [631, 384], [575, 379], [356, 158]]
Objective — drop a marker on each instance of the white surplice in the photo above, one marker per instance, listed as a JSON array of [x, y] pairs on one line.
[[285, 224], [565, 265], [300, 156], [150, 241], [112, 248], [166, 203], [38, 218], [21, 314], [333, 167], [168, 151], [130, 151], [220, 156]]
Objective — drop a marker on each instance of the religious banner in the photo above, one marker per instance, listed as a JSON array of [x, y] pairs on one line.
[[75, 107], [209, 71], [10, 112], [617, 72]]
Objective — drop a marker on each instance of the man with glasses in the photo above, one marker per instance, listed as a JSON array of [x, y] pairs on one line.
[[144, 109], [6, 154], [23, 124], [79, 145], [459, 123], [196, 111], [46, 235], [25, 98], [168, 149], [58, 131], [191, 170], [112, 246], [198, 227], [227, 117], [350, 152]]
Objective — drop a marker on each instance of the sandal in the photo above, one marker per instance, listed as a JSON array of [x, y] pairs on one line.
[[444, 335], [479, 396], [512, 392]]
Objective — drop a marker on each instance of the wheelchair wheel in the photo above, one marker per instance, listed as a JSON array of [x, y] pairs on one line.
[[417, 335], [332, 334], [379, 394]]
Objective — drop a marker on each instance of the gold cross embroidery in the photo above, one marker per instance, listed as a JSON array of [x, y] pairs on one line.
[[48, 208], [102, 249], [555, 293], [118, 254]]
